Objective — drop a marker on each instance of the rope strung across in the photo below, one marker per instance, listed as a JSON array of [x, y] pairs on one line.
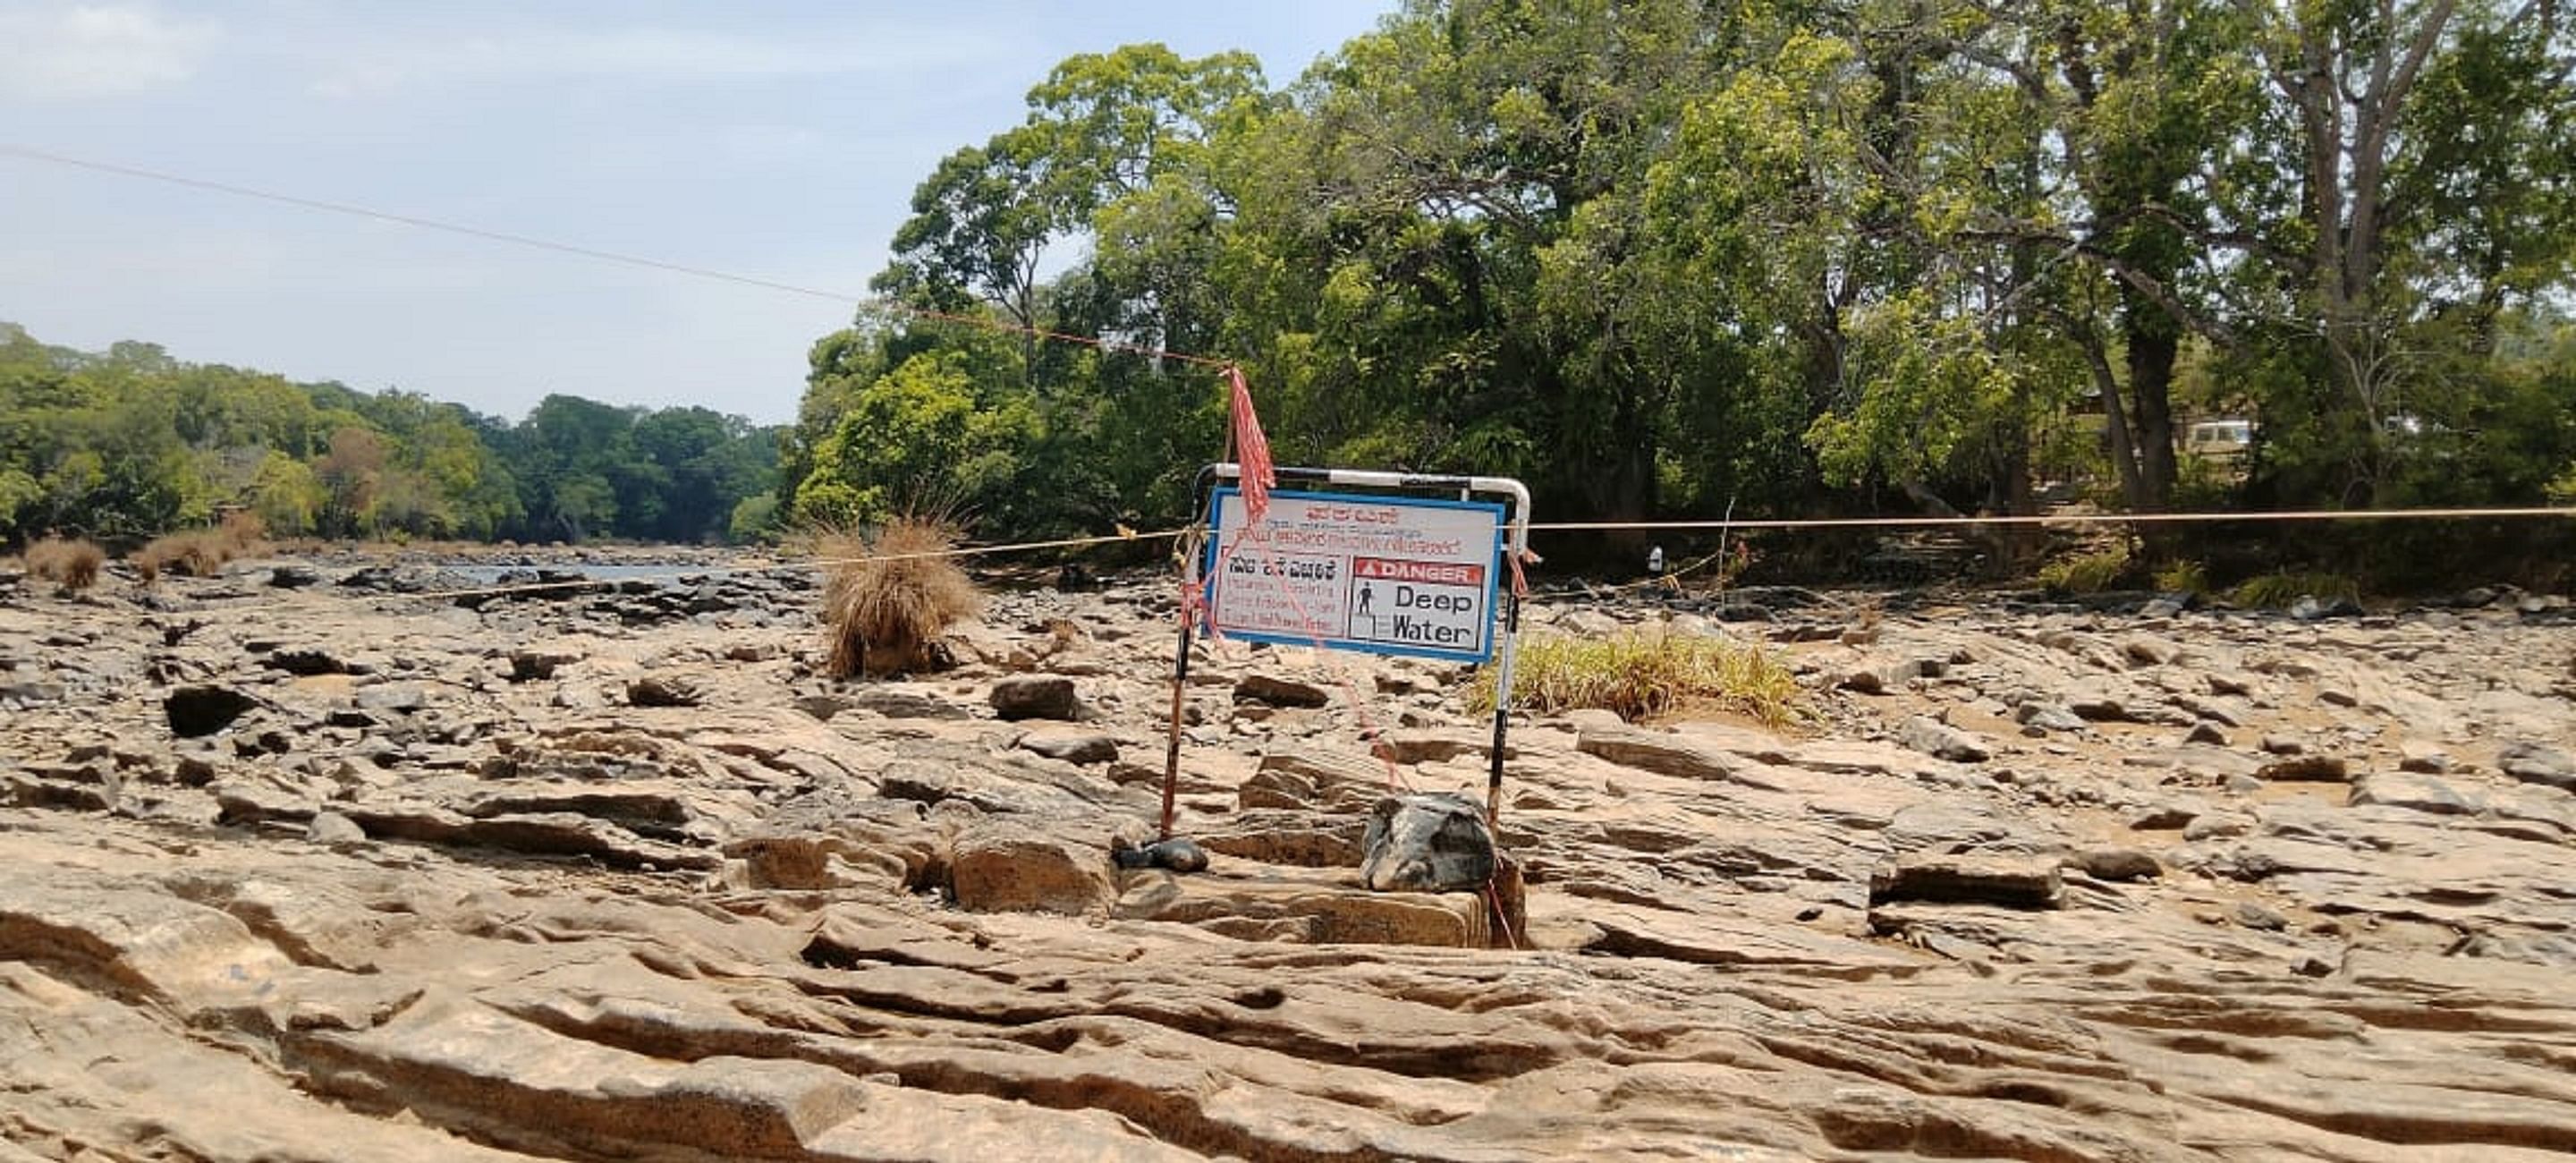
[[676, 572], [2061, 519]]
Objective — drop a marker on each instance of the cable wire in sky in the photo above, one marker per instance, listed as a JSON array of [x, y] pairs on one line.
[[30, 153]]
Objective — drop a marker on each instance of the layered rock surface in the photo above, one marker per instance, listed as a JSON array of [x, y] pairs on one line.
[[458, 879]]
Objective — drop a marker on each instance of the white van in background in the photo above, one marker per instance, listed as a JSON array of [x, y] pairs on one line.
[[2221, 440]]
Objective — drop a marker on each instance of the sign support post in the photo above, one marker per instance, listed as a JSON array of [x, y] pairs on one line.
[[1503, 701], [1180, 683]]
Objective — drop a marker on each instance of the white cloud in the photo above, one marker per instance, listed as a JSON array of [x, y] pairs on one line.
[[69, 52]]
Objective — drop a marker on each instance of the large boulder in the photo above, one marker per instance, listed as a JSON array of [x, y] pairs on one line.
[[1427, 843], [998, 868]]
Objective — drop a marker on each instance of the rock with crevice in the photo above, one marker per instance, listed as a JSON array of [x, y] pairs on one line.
[[2013, 882]]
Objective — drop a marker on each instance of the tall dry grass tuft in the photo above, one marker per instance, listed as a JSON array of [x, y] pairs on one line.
[[194, 553], [245, 531], [73, 565], [886, 602], [203, 552]]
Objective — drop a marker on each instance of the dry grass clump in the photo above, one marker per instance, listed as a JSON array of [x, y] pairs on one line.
[[246, 531], [1643, 675], [73, 565], [195, 553], [203, 552], [886, 602]]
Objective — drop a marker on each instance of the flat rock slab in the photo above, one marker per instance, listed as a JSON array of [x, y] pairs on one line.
[[1659, 752], [2414, 792], [1315, 908]]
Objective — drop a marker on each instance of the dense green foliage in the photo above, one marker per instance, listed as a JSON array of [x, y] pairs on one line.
[[129, 442], [1658, 257]]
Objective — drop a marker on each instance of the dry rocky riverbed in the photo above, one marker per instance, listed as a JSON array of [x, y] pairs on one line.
[[338, 872]]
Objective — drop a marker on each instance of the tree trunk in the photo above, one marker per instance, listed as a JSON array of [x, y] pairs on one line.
[[2154, 343], [2115, 421]]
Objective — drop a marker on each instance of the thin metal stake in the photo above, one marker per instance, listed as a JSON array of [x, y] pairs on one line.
[[1503, 704], [1172, 757]]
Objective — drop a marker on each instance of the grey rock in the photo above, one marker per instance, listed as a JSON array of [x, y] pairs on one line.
[[1427, 843], [1867, 680], [2538, 763], [2215, 828], [822, 706], [2206, 733], [663, 691], [2258, 916], [2414, 792], [308, 661], [2423, 758], [2305, 769], [29, 692], [398, 697], [2164, 818], [1659, 751], [333, 828], [1280, 692], [2101, 706], [1943, 741], [535, 665], [1177, 854], [2149, 650], [2048, 716], [1071, 746], [901, 703], [1034, 696], [2119, 864]]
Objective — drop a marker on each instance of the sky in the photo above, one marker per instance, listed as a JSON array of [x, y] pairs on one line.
[[775, 140]]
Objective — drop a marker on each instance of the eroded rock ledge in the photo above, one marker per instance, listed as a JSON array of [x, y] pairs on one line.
[[2053, 884]]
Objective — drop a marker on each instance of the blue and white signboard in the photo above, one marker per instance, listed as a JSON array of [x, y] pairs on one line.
[[1382, 574]]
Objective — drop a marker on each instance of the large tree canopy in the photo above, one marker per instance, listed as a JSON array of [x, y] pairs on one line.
[[1662, 257]]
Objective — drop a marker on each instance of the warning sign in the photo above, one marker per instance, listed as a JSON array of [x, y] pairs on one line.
[[1389, 575]]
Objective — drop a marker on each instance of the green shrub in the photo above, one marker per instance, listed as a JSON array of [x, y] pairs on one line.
[[2086, 573], [2182, 576], [1640, 675], [2277, 591]]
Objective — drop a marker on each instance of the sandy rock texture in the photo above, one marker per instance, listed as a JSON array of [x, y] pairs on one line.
[[356, 869]]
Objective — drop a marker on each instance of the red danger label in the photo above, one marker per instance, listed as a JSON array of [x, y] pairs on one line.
[[1428, 572]]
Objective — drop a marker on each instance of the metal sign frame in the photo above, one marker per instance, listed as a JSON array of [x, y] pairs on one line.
[[1491, 566], [1515, 502]]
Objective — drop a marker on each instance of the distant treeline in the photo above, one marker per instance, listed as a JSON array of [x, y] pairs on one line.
[[128, 443], [1667, 258]]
